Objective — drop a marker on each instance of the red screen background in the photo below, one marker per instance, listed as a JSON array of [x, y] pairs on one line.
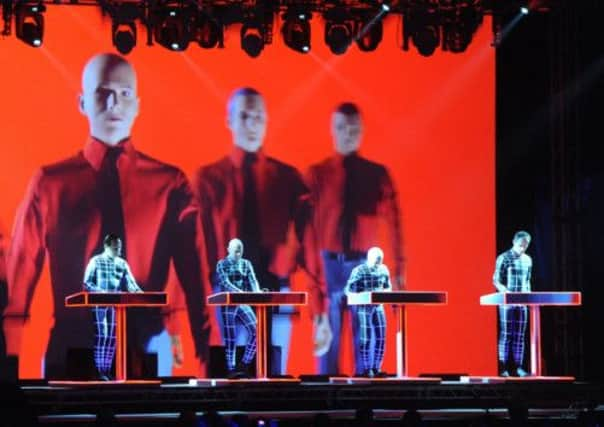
[[431, 121]]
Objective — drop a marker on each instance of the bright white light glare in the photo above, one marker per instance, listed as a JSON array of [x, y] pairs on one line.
[[172, 13], [302, 16], [385, 7], [37, 42], [524, 10], [34, 8], [175, 46], [305, 48]]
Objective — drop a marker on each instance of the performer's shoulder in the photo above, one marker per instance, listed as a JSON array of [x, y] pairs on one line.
[[214, 170], [146, 162], [63, 167]]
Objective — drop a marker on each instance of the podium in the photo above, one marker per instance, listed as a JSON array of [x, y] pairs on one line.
[[120, 301], [261, 300], [534, 300], [400, 299]]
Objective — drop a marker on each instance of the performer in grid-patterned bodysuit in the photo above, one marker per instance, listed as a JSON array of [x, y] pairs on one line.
[[513, 274], [107, 272], [236, 274], [371, 276]]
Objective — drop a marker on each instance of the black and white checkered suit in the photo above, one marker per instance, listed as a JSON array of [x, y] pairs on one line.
[[372, 319], [513, 271], [237, 276], [107, 274]]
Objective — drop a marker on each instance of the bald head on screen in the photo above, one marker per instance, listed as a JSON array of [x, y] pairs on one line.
[[109, 98]]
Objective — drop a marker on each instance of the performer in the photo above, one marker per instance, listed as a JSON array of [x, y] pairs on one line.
[[262, 200], [108, 187], [236, 274], [107, 272], [354, 203], [513, 274], [372, 275]]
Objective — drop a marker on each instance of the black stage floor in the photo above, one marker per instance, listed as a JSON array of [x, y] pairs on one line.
[[52, 401]]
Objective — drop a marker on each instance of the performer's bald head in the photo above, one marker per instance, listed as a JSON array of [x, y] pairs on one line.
[[109, 98], [235, 249]]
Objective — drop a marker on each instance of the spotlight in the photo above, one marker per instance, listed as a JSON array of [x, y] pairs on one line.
[[123, 27], [124, 37], [252, 39], [30, 24], [385, 7], [173, 29], [370, 34], [296, 31], [421, 25], [459, 24], [338, 30], [209, 32], [524, 10]]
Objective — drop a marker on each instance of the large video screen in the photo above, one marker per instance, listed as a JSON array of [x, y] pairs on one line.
[[430, 121]]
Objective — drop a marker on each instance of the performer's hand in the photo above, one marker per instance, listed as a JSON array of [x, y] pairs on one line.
[[322, 334], [501, 288], [177, 353]]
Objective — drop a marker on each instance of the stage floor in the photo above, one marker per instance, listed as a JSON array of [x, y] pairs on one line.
[[175, 395]]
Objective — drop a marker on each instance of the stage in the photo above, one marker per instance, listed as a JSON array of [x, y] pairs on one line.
[[442, 400]]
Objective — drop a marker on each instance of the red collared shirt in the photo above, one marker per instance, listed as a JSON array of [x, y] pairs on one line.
[[281, 194], [375, 204], [60, 218]]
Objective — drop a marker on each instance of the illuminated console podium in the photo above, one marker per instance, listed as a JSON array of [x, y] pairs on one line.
[[534, 300], [261, 300], [399, 299], [120, 301]]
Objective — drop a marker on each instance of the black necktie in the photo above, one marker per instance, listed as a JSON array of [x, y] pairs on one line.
[[348, 217], [110, 197], [250, 222]]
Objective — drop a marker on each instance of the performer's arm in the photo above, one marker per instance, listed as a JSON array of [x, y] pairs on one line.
[[24, 262], [498, 276], [90, 284], [529, 274], [223, 279], [189, 256], [388, 286], [252, 277], [352, 280], [392, 213], [310, 260], [131, 284]]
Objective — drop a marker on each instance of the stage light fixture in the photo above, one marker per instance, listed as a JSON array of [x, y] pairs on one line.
[[209, 32], [30, 23], [459, 24], [252, 39], [339, 28], [173, 29], [296, 31], [524, 10], [124, 37], [370, 34], [123, 27], [421, 25]]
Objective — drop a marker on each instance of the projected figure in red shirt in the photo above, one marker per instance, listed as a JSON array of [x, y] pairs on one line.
[[258, 199], [108, 187], [355, 205]]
